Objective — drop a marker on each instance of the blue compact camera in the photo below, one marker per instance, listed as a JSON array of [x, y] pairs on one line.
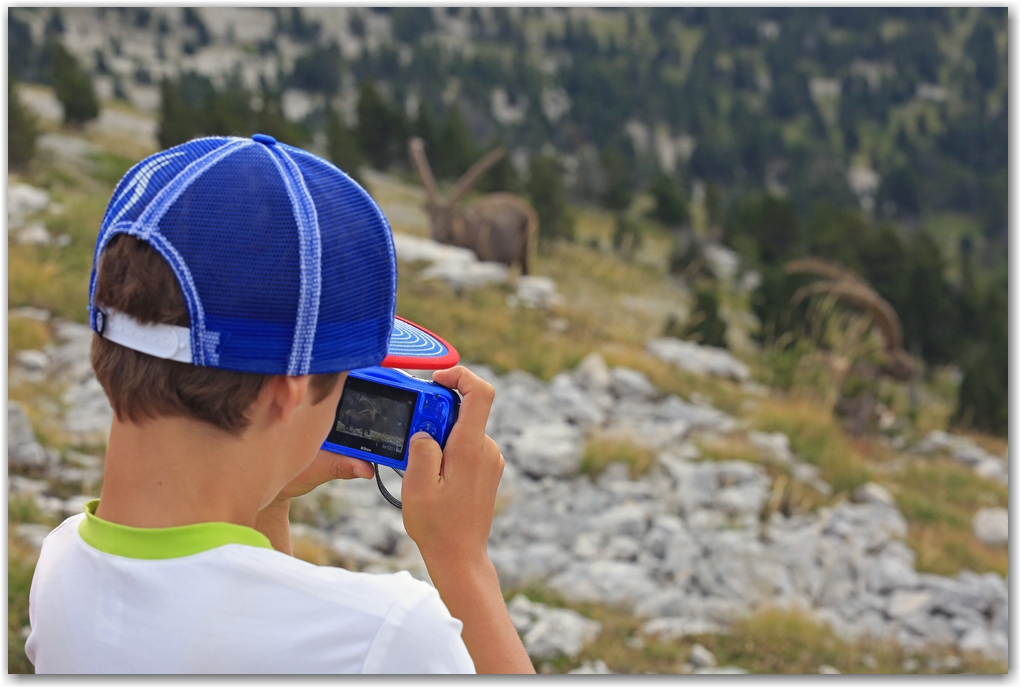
[[381, 408]]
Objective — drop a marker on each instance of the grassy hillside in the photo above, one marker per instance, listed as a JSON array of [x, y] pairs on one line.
[[612, 304]]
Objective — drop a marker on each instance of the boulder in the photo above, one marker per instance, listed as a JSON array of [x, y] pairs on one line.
[[23, 451], [550, 632], [582, 407], [698, 359], [33, 533], [874, 493], [774, 445], [598, 667], [679, 627], [32, 360], [24, 200], [593, 374], [519, 566], [631, 384], [537, 292], [468, 275], [547, 449], [991, 526], [608, 582], [702, 657]]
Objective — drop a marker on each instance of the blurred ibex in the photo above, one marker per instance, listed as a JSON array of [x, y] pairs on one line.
[[847, 286], [498, 227]]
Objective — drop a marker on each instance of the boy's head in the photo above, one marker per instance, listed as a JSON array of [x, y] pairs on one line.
[[224, 261]]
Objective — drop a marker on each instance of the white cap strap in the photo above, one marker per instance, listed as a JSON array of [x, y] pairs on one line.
[[158, 340]]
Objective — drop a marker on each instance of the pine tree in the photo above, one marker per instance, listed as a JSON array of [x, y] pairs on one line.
[[503, 176], [424, 128], [343, 146], [616, 194], [375, 127], [456, 150], [670, 207], [269, 119], [72, 85], [21, 129], [177, 122], [705, 326], [545, 188]]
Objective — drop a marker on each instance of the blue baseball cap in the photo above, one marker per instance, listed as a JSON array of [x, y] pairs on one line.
[[286, 264]]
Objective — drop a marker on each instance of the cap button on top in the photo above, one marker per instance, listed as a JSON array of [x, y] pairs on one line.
[[264, 139]]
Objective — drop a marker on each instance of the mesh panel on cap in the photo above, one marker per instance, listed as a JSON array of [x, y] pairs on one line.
[[358, 270], [219, 211], [235, 228]]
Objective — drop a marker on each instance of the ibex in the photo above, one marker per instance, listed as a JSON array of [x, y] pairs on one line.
[[847, 286], [498, 227]]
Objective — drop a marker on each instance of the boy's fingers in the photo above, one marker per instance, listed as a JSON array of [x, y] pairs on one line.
[[345, 467], [424, 461], [476, 396]]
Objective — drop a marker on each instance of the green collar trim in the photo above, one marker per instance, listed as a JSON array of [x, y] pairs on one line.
[[163, 542]]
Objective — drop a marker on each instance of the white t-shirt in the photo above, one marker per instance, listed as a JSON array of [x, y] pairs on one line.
[[106, 599]]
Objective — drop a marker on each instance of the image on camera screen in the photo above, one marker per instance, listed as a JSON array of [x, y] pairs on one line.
[[373, 418]]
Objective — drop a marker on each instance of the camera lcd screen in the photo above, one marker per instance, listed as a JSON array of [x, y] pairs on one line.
[[374, 418]]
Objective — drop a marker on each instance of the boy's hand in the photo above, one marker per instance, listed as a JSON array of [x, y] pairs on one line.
[[449, 496], [326, 466], [449, 499]]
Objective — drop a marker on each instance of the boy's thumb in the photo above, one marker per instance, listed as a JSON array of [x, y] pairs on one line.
[[424, 459]]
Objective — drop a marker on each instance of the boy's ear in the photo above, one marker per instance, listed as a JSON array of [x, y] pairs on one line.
[[283, 395]]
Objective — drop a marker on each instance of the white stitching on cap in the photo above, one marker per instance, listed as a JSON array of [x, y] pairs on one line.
[[380, 215], [180, 183], [140, 182], [199, 342], [310, 252], [148, 223]]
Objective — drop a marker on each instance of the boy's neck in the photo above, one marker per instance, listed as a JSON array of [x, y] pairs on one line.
[[175, 471]]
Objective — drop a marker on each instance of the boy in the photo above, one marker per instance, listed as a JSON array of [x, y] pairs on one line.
[[234, 284]]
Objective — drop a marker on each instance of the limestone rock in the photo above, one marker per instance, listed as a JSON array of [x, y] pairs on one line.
[[776, 446], [627, 383], [991, 526], [874, 493], [22, 449], [597, 667], [593, 374], [702, 657], [550, 632], [609, 582], [701, 360], [537, 292], [549, 449]]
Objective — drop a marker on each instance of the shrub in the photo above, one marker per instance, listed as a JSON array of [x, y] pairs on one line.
[[72, 85], [21, 129]]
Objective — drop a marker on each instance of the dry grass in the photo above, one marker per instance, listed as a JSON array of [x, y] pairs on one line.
[[599, 453], [771, 641], [939, 498], [788, 496], [816, 438], [25, 334]]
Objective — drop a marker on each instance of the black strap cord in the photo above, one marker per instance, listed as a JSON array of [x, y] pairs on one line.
[[393, 500]]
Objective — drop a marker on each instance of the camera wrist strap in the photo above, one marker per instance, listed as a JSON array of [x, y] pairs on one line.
[[393, 500]]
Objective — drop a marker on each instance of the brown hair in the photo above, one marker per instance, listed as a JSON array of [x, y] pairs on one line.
[[135, 279]]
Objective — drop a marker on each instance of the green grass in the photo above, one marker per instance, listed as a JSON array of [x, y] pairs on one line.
[[939, 498], [25, 334], [20, 568], [599, 453], [815, 437]]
